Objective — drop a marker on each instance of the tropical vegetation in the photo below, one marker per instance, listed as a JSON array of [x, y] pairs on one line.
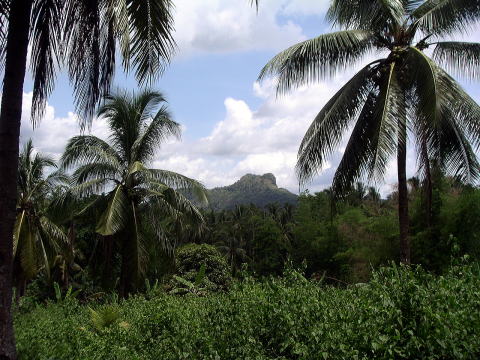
[[402, 314], [135, 194], [406, 94], [82, 37], [36, 237], [106, 256]]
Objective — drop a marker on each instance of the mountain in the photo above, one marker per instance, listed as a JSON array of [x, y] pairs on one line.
[[250, 189]]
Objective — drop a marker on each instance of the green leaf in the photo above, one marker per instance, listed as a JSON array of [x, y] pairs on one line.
[[317, 58], [200, 275], [114, 217]]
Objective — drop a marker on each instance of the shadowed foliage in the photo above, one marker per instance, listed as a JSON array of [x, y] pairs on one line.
[[132, 192]]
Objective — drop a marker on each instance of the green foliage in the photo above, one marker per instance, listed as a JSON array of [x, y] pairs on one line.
[[70, 294], [403, 313], [188, 287], [192, 258], [104, 317]]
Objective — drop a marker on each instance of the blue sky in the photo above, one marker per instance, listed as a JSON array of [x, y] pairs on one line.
[[232, 125]]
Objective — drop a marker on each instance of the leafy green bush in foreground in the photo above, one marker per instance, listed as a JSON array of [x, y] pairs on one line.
[[401, 313]]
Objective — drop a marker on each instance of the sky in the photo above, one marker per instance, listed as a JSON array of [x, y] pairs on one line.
[[232, 124]]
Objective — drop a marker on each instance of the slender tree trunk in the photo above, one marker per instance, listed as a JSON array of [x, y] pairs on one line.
[[403, 193], [10, 117], [428, 186]]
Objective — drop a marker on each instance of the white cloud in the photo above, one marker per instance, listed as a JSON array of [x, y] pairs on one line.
[[247, 140], [52, 133], [223, 26]]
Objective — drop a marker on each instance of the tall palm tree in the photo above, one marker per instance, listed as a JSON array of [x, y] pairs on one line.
[[84, 36], [138, 124], [405, 94], [36, 238]]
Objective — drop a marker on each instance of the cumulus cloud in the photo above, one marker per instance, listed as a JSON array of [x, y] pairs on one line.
[[225, 26], [247, 140], [52, 133]]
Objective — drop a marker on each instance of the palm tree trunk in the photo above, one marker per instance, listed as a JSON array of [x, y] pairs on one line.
[[10, 117], [403, 193], [428, 186]]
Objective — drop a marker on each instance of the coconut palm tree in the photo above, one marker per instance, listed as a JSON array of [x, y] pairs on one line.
[[85, 37], [134, 192], [405, 94], [36, 238]]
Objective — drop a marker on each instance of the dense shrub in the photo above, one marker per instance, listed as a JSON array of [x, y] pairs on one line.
[[401, 314], [190, 257]]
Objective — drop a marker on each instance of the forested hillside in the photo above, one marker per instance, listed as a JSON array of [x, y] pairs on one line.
[[250, 189]]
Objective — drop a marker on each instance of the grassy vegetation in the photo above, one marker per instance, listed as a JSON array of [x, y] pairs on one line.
[[402, 313]]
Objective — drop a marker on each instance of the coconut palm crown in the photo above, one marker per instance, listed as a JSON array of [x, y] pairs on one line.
[[138, 125], [406, 93], [36, 238]]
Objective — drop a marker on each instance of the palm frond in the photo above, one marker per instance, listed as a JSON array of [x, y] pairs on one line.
[[94, 171], [427, 98], [367, 14], [115, 215], [318, 58], [447, 120], [443, 17], [84, 54], [46, 48], [87, 149], [462, 107], [160, 128], [123, 113], [459, 58], [87, 188], [412, 5], [26, 250], [55, 236], [356, 159], [457, 156], [152, 44], [4, 14], [177, 182], [18, 228], [389, 114], [329, 126]]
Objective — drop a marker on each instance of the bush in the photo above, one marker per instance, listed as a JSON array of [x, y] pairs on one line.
[[189, 259], [402, 313]]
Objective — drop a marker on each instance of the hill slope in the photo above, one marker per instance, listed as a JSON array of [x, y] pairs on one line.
[[250, 189]]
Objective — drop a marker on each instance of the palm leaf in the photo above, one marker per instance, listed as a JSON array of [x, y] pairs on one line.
[[55, 236], [318, 58], [45, 34], [152, 44], [89, 149], [460, 58], [357, 156], [367, 14], [443, 17], [160, 128], [94, 171], [115, 215], [17, 230], [27, 251], [177, 181], [329, 126], [389, 113]]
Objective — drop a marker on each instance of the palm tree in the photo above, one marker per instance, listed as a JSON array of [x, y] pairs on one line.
[[138, 124], [36, 238], [231, 237], [85, 36], [405, 94]]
